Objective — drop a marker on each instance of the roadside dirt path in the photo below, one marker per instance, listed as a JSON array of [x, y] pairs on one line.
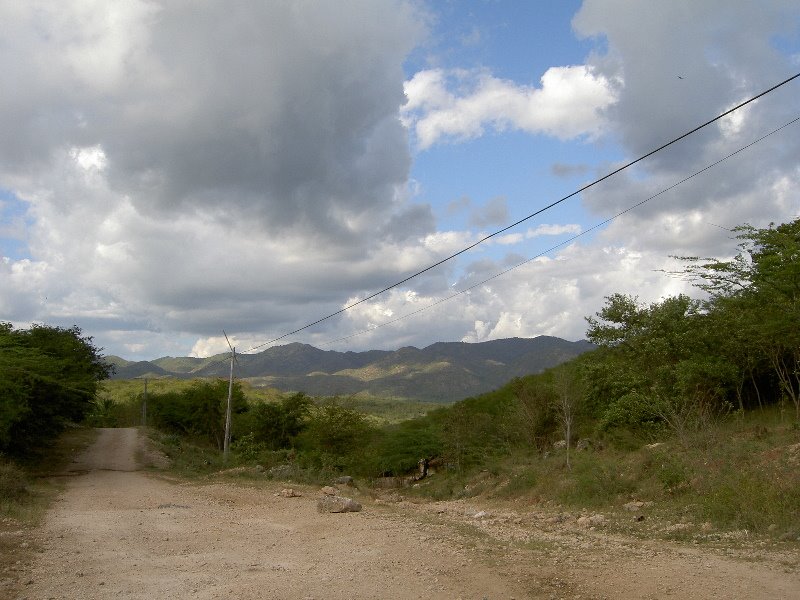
[[121, 533]]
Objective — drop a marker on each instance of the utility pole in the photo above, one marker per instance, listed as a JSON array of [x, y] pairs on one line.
[[227, 443], [144, 404]]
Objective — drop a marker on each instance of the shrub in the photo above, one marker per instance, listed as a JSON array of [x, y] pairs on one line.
[[13, 483]]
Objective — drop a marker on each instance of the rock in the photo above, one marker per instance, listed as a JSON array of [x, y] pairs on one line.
[[560, 444], [584, 521], [654, 446], [329, 490], [259, 468], [337, 504], [344, 480], [584, 444], [633, 506], [480, 515], [597, 520], [289, 493]]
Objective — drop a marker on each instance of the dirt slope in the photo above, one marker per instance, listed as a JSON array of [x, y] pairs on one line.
[[121, 533]]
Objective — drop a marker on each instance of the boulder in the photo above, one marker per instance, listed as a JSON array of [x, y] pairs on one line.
[[329, 490], [337, 504], [289, 493]]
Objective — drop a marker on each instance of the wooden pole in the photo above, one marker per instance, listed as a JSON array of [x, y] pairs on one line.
[[227, 442]]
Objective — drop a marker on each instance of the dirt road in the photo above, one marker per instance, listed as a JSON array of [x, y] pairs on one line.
[[121, 533]]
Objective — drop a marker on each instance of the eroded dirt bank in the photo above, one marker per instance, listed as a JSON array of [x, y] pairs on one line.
[[121, 533]]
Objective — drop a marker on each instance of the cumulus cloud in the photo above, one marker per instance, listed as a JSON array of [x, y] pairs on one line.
[[722, 57], [446, 105], [280, 113], [179, 168], [546, 296], [175, 169]]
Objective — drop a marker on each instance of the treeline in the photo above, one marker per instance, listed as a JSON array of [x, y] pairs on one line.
[[680, 361], [48, 378], [670, 368], [324, 434]]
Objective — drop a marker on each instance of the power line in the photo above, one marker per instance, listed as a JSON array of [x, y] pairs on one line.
[[565, 242], [538, 212], [544, 252]]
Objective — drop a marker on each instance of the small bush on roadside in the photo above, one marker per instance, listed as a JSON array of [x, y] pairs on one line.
[[13, 482], [595, 482]]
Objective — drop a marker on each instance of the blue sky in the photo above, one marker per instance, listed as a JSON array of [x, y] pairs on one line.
[[169, 171]]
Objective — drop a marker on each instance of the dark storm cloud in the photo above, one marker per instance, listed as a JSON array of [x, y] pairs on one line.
[[280, 112], [678, 64]]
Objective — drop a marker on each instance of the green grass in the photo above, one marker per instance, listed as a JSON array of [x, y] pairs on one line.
[[742, 474]]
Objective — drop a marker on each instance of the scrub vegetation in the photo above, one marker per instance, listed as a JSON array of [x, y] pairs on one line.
[[691, 405]]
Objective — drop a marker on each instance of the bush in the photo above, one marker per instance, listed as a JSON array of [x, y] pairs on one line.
[[49, 377], [197, 412], [336, 430], [277, 426], [13, 483], [595, 482]]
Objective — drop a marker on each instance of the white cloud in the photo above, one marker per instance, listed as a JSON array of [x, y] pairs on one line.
[[543, 297], [90, 158], [545, 229], [510, 239], [189, 168], [458, 105]]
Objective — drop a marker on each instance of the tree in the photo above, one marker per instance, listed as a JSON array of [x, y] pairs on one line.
[[760, 290], [277, 425], [657, 363], [198, 410], [569, 394], [336, 430], [49, 376]]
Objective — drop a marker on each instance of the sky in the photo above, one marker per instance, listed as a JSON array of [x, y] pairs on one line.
[[170, 170]]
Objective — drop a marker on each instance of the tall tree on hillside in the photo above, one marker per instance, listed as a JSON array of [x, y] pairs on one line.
[[657, 364], [761, 285]]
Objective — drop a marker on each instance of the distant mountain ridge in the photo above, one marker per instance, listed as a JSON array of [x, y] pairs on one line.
[[441, 372]]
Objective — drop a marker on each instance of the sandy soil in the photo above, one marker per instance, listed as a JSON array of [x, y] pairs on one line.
[[119, 532]]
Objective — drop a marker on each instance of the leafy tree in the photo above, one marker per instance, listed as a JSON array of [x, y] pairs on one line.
[[758, 292], [533, 417], [49, 376], [658, 364], [197, 411], [401, 446], [277, 425], [336, 430]]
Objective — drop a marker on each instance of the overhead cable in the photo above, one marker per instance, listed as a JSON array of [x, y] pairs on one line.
[[530, 216]]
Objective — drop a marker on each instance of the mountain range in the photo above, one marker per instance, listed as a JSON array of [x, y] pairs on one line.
[[441, 372]]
